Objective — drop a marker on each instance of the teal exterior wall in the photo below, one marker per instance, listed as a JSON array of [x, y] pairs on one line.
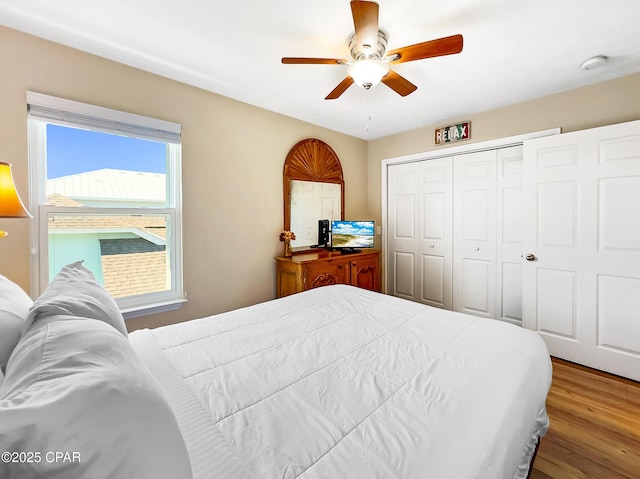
[[67, 248]]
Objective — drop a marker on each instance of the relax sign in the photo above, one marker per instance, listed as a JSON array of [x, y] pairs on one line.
[[453, 133]]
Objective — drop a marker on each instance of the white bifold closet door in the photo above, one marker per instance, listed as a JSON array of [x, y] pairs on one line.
[[474, 244], [582, 239], [455, 232], [419, 232], [487, 227]]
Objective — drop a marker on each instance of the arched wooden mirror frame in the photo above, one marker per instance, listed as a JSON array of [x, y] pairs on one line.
[[311, 160]]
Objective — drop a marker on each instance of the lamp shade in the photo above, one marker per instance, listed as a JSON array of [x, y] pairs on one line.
[[10, 203], [368, 72]]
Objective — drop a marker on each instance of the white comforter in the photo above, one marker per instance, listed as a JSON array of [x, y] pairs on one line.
[[339, 382]]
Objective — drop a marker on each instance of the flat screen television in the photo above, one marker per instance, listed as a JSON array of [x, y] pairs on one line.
[[350, 236]]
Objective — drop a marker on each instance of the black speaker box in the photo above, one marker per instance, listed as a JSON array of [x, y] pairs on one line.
[[323, 232]]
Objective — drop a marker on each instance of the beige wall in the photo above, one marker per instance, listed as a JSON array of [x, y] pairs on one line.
[[606, 103], [233, 155]]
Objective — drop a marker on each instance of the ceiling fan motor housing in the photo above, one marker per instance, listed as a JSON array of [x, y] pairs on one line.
[[369, 51]]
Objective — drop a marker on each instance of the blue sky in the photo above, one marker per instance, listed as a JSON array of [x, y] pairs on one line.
[[71, 151], [353, 228]]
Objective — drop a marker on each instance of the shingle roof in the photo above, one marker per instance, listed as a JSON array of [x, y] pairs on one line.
[[134, 272], [56, 199], [153, 225]]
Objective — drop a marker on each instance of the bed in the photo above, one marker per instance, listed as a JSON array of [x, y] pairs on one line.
[[335, 382]]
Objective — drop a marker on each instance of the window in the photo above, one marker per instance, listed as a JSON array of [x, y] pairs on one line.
[[106, 189]]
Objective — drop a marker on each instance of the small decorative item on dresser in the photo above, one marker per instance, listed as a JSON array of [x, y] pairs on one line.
[[287, 236]]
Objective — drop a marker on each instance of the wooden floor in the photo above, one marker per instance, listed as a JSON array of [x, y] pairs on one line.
[[595, 426]]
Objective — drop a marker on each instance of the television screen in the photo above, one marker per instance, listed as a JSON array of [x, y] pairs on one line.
[[352, 234]]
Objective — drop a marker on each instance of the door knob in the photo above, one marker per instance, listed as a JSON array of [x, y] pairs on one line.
[[530, 257]]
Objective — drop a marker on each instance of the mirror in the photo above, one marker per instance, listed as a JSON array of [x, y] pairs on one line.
[[313, 189], [310, 202]]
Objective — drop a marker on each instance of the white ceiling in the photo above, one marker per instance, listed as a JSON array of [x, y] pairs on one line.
[[513, 51]]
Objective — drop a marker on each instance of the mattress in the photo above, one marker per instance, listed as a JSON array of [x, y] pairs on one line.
[[340, 382]]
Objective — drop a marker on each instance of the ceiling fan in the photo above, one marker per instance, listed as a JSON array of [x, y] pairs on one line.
[[369, 63]]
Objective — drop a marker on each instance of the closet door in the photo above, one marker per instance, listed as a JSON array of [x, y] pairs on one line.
[[419, 235], [474, 246], [509, 234], [581, 281]]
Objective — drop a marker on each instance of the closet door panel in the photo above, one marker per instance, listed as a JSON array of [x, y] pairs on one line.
[[475, 294], [404, 277], [509, 234], [433, 284], [402, 227], [435, 242], [405, 217], [474, 247], [510, 292], [420, 231]]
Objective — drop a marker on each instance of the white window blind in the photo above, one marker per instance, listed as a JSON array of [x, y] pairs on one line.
[[72, 113]]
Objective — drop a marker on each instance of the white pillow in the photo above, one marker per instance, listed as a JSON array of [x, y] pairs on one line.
[[14, 306], [75, 385], [75, 292]]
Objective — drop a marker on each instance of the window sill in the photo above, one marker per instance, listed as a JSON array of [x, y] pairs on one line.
[[146, 310]]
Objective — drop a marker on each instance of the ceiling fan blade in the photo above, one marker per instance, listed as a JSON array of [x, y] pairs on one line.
[[313, 61], [365, 21], [340, 89], [432, 48], [398, 83]]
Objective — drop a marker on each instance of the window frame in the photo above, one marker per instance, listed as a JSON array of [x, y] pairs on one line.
[[43, 110]]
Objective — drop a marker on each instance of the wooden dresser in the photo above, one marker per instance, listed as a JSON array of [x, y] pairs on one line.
[[311, 270]]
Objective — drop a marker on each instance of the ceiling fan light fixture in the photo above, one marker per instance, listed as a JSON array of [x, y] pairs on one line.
[[368, 72]]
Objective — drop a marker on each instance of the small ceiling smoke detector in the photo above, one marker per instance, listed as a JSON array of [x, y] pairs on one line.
[[594, 62]]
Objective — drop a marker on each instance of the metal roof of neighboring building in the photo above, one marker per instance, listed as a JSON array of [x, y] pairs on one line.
[[109, 184]]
